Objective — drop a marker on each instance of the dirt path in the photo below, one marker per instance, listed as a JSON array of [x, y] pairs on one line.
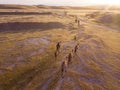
[[82, 67], [65, 45]]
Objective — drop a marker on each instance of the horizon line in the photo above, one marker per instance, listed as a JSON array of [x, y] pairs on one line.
[[61, 5]]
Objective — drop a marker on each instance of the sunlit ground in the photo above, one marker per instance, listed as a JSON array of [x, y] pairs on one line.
[[28, 36]]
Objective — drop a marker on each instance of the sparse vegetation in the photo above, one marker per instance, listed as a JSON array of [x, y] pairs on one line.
[[27, 47]]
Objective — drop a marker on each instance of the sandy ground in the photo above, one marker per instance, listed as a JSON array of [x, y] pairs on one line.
[[28, 37]]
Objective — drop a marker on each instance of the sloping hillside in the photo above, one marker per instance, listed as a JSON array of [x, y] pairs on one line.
[[28, 45]]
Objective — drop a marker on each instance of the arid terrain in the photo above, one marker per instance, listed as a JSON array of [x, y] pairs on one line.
[[28, 38]]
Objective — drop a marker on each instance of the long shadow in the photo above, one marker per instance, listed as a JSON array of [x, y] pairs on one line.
[[29, 26], [9, 7], [25, 13]]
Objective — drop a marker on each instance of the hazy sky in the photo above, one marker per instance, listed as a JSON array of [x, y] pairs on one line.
[[61, 2]]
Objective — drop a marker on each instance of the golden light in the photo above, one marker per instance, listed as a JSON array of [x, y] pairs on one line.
[[108, 2], [113, 2]]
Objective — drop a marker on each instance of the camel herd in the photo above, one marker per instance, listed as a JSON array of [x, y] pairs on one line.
[[68, 59]]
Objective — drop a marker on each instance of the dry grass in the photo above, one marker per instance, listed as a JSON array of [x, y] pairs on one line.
[[97, 64]]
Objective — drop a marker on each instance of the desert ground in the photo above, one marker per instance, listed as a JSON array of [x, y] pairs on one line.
[[28, 38]]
